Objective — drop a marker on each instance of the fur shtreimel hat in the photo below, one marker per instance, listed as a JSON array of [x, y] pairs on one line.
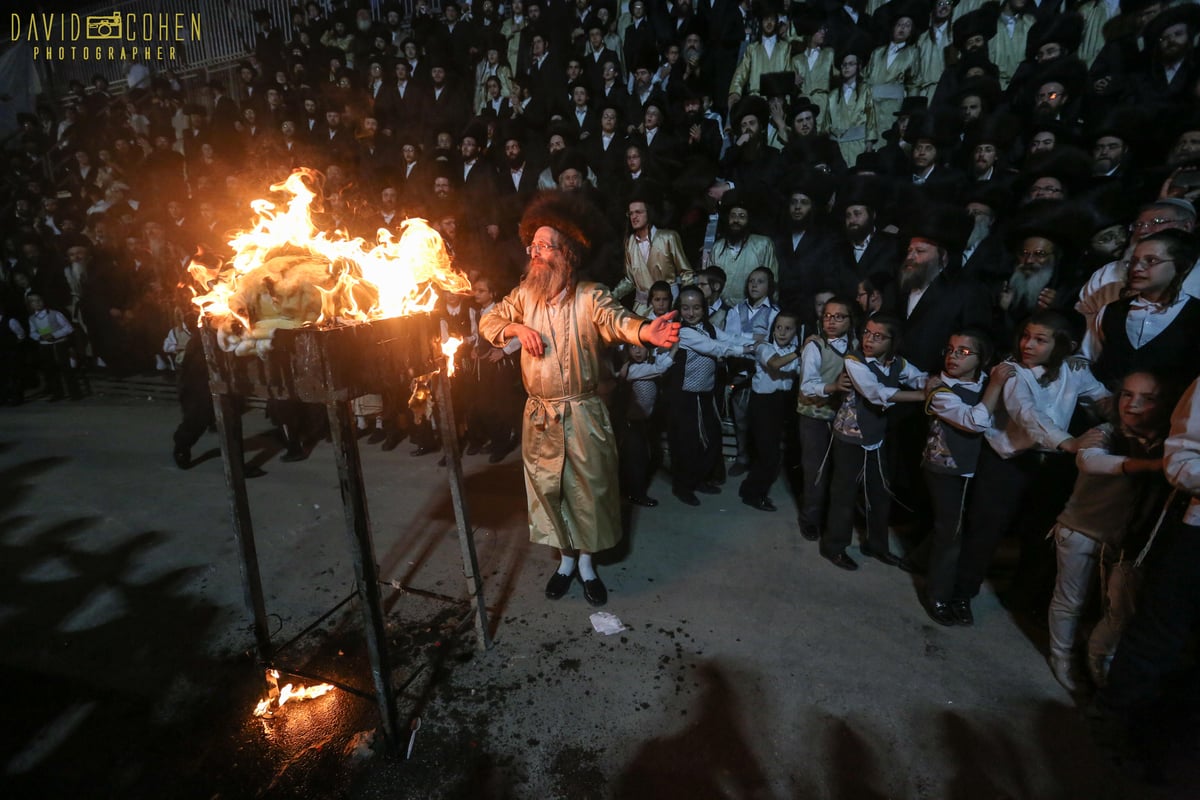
[[569, 213]]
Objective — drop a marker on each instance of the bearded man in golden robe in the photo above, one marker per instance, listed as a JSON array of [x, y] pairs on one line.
[[568, 446]]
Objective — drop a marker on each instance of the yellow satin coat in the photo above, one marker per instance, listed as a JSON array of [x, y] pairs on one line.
[[666, 262], [842, 115], [567, 443], [1008, 52], [757, 251], [816, 78], [905, 71], [756, 63]]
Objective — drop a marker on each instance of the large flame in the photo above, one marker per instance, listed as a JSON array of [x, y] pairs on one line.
[[285, 273], [274, 701]]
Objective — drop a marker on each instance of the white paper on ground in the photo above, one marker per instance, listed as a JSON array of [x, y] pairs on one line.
[[606, 623]]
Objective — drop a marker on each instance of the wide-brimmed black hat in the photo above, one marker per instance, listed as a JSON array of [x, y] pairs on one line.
[[1070, 166], [936, 126], [998, 129], [1067, 224], [948, 226], [985, 87], [1064, 29], [912, 105], [803, 103], [750, 106], [1180, 13], [980, 22]]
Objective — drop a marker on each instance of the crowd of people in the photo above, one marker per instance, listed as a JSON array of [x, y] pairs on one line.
[[933, 261]]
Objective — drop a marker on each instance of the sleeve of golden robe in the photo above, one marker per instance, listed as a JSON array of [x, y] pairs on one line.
[[567, 445]]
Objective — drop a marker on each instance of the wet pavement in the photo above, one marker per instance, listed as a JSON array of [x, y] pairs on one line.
[[750, 667]]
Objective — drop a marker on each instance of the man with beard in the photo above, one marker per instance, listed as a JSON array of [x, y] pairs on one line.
[[864, 251], [804, 146], [805, 265], [1043, 240], [703, 135], [937, 298], [563, 322], [750, 164], [518, 177], [1169, 77], [931, 141], [738, 251], [985, 257]]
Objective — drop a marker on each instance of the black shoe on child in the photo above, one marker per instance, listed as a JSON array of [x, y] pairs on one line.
[[686, 496], [761, 503], [182, 456], [962, 612], [558, 584], [810, 532], [595, 592], [941, 613]]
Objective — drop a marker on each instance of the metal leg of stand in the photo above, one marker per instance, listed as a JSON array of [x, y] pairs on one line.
[[466, 537], [366, 571], [233, 454]]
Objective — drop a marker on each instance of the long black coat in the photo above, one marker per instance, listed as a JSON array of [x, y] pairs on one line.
[[952, 302]]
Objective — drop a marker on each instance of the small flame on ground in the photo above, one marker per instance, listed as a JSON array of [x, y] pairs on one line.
[[449, 348], [288, 692]]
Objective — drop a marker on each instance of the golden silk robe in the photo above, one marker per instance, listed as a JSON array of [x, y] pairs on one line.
[[932, 61], [756, 63], [757, 251], [850, 122], [890, 84], [1007, 52], [816, 78], [567, 442], [1095, 15], [666, 262]]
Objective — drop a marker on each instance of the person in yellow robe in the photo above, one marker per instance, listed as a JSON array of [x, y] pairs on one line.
[[849, 116], [568, 445], [771, 53], [812, 60], [894, 69], [739, 252], [1007, 47], [651, 254], [933, 43]]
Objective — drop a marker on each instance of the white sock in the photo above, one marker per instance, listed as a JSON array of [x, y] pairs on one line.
[[362, 422], [585, 567], [567, 567]]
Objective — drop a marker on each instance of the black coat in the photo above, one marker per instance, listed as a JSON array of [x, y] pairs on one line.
[[952, 302], [883, 255]]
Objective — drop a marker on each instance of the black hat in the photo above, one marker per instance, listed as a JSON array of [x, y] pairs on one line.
[[1130, 124], [260, 15], [997, 129], [777, 84], [1069, 165], [813, 184], [735, 198], [867, 164], [1131, 8], [980, 22], [1110, 205], [1070, 72], [861, 190], [948, 226], [937, 126], [802, 103], [915, 10], [1180, 13], [510, 129], [25, 116], [767, 8], [994, 194], [976, 60], [1064, 29], [985, 87], [747, 106], [912, 105], [476, 130], [568, 159], [1068, 225], [806, 18], [856, 43]]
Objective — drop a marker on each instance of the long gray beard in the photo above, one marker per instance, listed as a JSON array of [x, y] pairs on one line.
[[1026, 288], [544, 283], [983, 226]]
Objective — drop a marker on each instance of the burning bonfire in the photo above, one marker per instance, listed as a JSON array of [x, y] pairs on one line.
[[285, 273], [277, 696]]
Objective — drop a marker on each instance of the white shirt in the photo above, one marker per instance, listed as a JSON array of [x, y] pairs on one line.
[[762, 382], [1035, 416], [1181, 456], [768, 43], [861, 248], [516, 176], [953, 410], [893, 51], [867, 385], [811, 383], [914, 297], [1144, 321]]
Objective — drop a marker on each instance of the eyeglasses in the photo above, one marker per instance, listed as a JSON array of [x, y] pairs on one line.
[[1146, 225], [876, 336], [836, 317], [538, 247], [960, 352], [1038, 255], [1149, 262]]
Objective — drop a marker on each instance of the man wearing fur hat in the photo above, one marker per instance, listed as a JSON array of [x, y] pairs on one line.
[[563, 323]]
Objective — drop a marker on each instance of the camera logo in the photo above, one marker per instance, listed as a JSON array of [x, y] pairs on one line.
[[104, 27]]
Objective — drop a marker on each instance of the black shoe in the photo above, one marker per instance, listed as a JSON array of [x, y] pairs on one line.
[[810, 532], [423, 450], [249, 472], [842, 560], [595, 592], [881, 555], [558, 584], [738, 469], [295, 453], [686, 496], [362, 433], [643, 500], [961, 609], [941, 613], [761, 503], [182, 456], [392, 441], [708, 488], [909, 565], [501, 451]]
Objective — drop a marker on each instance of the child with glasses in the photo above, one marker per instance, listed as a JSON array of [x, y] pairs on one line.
[[823, 384], [961, 409], [879, 380]]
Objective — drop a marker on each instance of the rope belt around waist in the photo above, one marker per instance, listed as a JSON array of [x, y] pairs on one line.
[[855, 134], [543, 410]]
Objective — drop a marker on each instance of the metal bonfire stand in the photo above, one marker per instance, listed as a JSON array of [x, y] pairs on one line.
[[332, 367]]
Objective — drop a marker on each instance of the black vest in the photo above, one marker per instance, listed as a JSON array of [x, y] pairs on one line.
[[677, 372], [1175, 352], [870, 420], [950, 450]]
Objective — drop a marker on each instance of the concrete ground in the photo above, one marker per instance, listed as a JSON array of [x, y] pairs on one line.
[[751, 668]]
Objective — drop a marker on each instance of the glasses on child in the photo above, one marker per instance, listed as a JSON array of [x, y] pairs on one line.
[[876, 336], [836, 317], [961, 352], [538, 247], [1149, 262]]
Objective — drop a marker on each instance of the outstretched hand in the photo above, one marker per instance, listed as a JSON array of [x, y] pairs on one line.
[[661, 331]]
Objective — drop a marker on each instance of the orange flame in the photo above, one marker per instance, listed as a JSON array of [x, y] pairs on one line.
[[449, 348], [288, 692], [285, 273]]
